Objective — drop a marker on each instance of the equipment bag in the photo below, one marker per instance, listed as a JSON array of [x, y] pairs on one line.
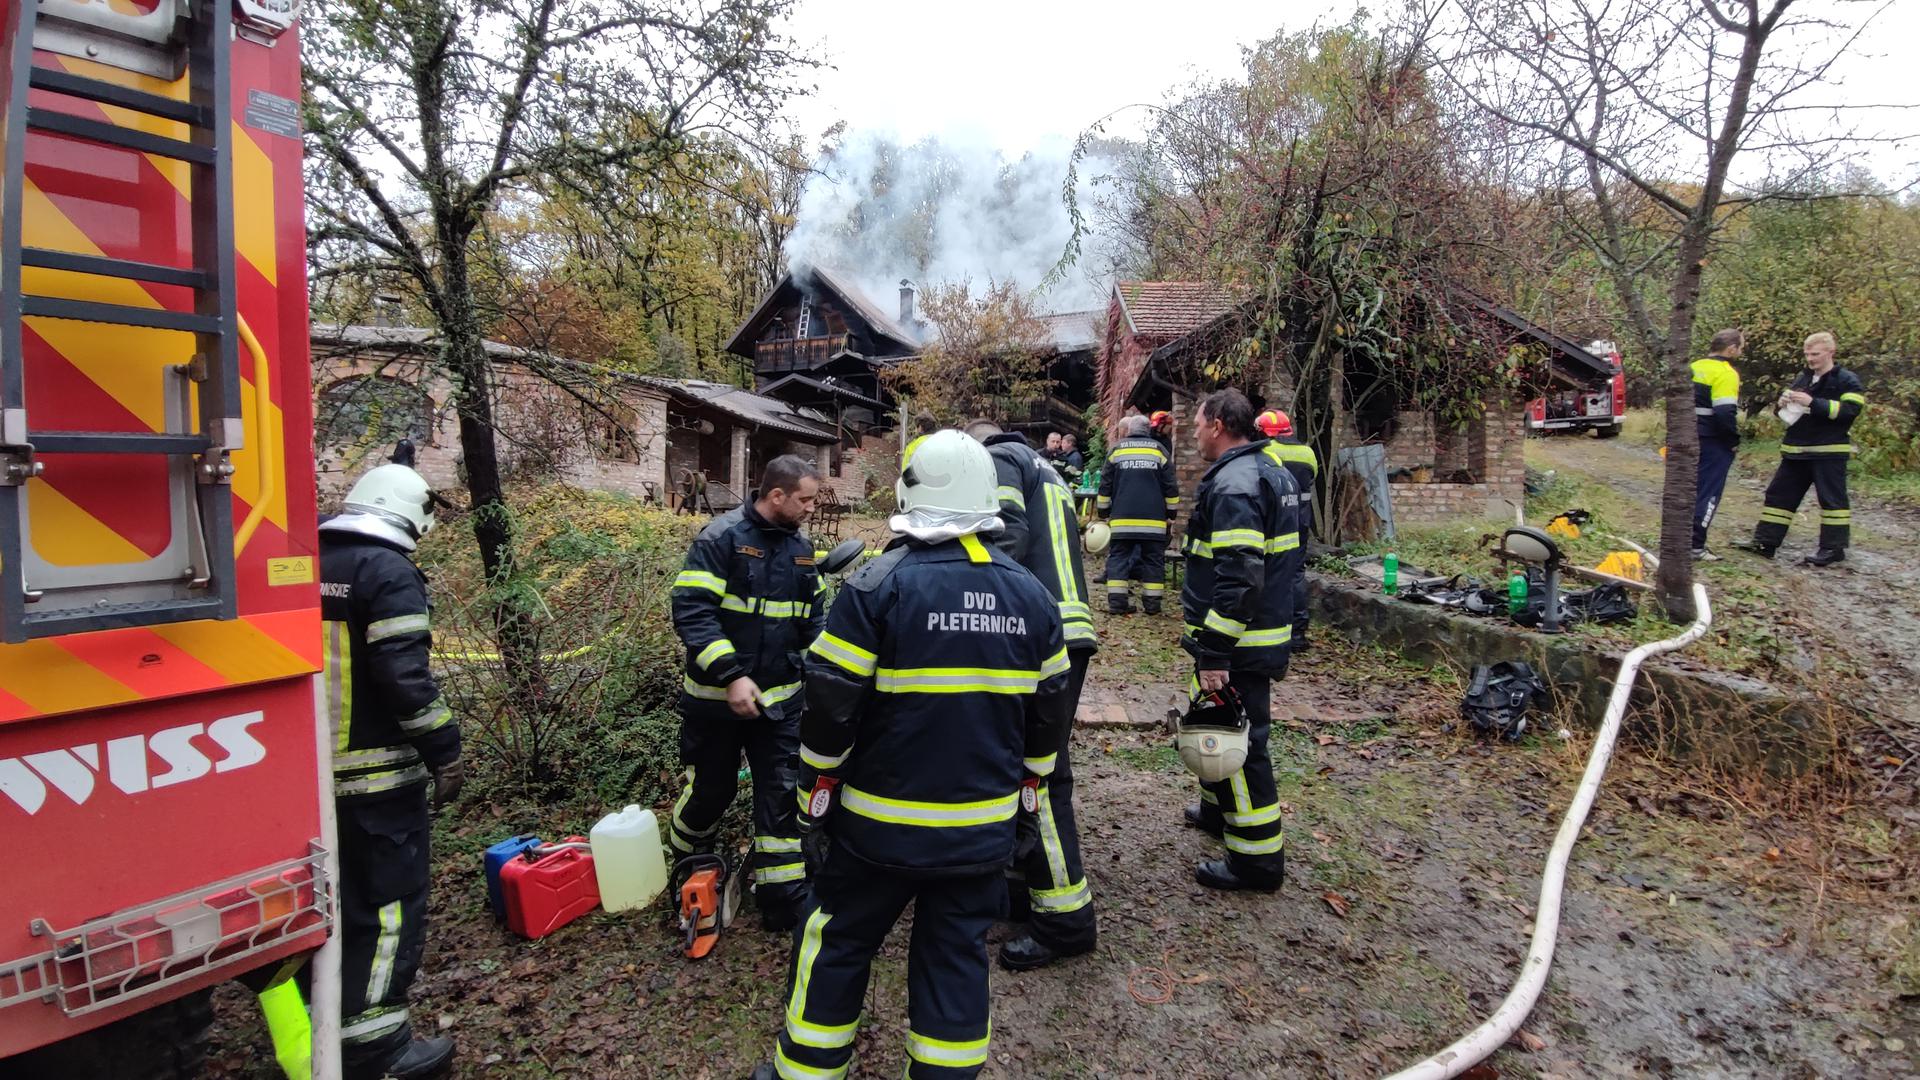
[[1500, 697]]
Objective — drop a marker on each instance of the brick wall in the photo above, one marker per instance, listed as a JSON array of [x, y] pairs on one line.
[[537, 421], [1492, 449]]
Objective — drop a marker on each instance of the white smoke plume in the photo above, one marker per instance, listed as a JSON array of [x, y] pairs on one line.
[[936, 212]]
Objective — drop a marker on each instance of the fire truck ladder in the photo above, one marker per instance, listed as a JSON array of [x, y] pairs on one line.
[[193, 578]]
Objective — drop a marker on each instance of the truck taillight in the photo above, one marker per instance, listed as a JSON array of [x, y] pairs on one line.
[[1619, 389]]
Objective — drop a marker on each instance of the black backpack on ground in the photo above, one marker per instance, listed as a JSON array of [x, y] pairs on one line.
[[1500, 698]]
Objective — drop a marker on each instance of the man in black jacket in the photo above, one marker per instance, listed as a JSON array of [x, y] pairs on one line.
[[1824, 402], [393, 736], [745, 606], [936, 707], [1042, 533], [1243, 547]]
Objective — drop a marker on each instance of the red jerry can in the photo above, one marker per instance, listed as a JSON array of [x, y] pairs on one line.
[[549, 887]]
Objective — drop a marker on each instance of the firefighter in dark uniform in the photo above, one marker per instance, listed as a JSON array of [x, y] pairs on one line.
[[1139, 497], [1814, 453], [1716, 414], [394, 740], [936, 705], [1243, 548], [1284, 446], [745, 606], [1042, 534]]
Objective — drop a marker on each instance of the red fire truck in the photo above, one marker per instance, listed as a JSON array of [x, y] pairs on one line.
[[162, 799], [1588, 392]]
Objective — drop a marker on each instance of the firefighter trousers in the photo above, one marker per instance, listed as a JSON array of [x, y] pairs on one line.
[[1301, 619], [854, 905], [1716, 458], [384, 863], [1827, 475], [1133, 559], [1248, 804], [711, 740], [1059, 900]]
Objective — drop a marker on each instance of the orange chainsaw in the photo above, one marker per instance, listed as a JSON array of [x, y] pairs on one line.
[[709, 890]]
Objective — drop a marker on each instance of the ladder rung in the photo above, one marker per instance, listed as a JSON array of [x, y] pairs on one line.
[[106, 93], [112, 616], [115, 442], [114, 135], [55, 307], [50, 259]]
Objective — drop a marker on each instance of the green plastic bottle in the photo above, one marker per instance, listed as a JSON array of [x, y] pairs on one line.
[[1390, 571], [1516, 594]]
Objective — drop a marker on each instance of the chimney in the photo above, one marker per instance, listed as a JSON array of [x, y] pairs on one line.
[[388, 309], [906, 303]]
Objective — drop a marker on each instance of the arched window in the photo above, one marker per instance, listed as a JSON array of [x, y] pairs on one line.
[[369, 411]]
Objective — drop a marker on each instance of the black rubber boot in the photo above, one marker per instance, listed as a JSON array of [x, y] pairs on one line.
[[1198, 817], [1026, 953], [422, 1058], [1216, 874], [1826, 557]]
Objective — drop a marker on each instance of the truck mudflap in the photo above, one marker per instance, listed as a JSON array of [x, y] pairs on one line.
[[154, 947]]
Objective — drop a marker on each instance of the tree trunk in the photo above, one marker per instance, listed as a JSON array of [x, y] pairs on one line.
[[492, 523], [1675, 580]]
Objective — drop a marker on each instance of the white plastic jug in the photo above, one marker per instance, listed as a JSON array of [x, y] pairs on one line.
[[628, 859]]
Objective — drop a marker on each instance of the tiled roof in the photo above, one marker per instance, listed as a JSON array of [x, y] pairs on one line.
[[753, 408], [1165, 309]]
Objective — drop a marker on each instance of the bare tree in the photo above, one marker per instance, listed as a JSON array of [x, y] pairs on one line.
[[988, 356], [423, 114], [1666, 117]]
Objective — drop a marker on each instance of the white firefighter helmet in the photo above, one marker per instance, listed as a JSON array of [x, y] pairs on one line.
[[1098, 536], [397, 495], [947, 471], [1212, 737]]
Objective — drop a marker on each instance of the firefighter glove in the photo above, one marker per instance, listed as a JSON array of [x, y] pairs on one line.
[[447, 782]]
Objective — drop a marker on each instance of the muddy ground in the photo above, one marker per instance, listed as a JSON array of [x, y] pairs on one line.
[[1705, 934]]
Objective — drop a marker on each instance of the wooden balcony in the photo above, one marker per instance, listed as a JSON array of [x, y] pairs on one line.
[[796, 354]]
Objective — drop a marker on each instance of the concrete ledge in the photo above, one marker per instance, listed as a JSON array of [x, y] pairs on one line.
[[1705, 717]]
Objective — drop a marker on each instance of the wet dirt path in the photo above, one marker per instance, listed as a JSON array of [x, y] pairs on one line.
[[1687, 950]]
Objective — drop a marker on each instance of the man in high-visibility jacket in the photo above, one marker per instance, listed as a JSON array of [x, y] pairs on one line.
[[1826, 399], [745, 606], [1243, 547], [1041, 532], [395, 741], [1139, 498], [1284, 446], [936, 707], [1716, 414]]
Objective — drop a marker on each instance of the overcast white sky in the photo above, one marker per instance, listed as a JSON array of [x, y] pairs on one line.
[[1019, 74]]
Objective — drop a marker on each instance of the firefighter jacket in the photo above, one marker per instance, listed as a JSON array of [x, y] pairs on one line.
[[937, 689], [1838, 399], [1716, 400], [1302, 463], [1138, 493], [744, 604], [1042, 530], [1243, 547], [391, 728]]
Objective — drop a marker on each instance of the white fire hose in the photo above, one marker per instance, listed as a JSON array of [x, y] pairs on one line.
[[1482, 1041]]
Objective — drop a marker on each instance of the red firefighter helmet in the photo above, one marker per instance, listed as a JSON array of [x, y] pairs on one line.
[[1161, 419], [1274, 424]]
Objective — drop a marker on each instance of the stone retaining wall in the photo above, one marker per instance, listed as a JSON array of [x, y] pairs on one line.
[[1706, 717]]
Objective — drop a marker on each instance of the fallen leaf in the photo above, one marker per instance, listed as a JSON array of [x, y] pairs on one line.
[[1531, 1042], [1773, 854], [1337, 903], [1322, 837], [1324, 740]]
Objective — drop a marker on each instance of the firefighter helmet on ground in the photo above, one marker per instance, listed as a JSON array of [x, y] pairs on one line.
[[1212, 737], [1097, 537], [947, 471], [1274, 424], [397, 495]]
